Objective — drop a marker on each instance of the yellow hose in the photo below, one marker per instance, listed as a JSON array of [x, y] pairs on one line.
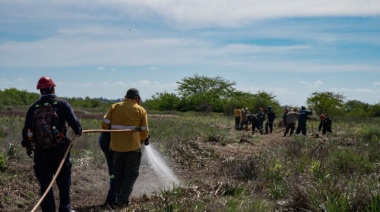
[[64, 157]]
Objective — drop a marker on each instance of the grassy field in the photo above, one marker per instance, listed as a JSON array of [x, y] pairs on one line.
[[221, 169]]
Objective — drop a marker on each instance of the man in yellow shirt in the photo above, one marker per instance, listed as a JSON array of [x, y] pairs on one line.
[[126, 146], [238, 117]]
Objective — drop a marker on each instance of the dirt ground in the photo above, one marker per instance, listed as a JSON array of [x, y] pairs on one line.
[[90, 184]]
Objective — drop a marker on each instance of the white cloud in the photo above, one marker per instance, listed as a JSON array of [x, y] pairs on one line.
[[145, 83], [376, 83], [315, 84]]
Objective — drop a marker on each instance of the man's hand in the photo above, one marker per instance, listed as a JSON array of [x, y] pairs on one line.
[[30, 152], [79, 134], [146, 141]]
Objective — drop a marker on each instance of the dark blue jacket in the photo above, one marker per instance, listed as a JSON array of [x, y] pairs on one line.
[[303, 116], [271, 116], [65, 113]]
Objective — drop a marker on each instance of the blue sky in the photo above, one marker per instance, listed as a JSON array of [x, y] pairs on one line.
[[100, 48]]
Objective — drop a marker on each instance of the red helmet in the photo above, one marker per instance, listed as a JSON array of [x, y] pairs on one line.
[[45, 82], [322, 117], [260, 109]]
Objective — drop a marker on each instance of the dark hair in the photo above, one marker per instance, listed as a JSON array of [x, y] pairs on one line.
[[45, 91]]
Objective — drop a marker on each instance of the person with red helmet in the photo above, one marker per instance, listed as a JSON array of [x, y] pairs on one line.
[[46, 142], [45, 82], [325, 124]]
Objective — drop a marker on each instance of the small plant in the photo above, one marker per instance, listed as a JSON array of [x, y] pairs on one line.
[[3, 161], [278, 189]]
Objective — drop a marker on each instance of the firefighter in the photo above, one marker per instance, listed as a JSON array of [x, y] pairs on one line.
[[126, 146], [269, 124], [238, 117], [261, 118], [244, 119], [324, 125], [284, 121], [290, 122], [48, 154], [303, 116]]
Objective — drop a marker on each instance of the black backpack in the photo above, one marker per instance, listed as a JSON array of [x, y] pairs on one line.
[[252, 117], [45, 124]]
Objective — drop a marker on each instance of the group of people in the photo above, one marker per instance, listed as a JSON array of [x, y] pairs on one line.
[[243, 118], [44, 136]]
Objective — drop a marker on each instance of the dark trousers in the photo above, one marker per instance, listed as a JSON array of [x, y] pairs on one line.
[[237, 121], [291, 127], [270, 126], [301, 127], [255, 124], [104, 143], [261, 122], [325, 130], [46, 163], [126, 167]]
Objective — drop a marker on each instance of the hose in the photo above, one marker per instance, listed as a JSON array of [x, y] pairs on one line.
[[64, 157]]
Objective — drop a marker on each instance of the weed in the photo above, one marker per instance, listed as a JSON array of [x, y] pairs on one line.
[[3, 161]]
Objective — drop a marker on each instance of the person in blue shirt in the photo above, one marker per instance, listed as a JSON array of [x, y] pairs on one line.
[[303, 116], [269, 124]]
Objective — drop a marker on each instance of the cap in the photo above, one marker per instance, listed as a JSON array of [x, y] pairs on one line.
[[132, 93]]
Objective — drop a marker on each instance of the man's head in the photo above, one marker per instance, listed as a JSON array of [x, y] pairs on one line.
[[303, 108], [45, 85], [133, 93]]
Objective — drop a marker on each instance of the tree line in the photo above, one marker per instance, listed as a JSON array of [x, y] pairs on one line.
[[210, 94]]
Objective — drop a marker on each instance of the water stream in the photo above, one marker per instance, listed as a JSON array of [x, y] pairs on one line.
[[160, 167]]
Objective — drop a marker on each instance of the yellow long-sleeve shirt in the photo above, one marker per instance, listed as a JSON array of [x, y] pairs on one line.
[[126, 115], [237, 113]]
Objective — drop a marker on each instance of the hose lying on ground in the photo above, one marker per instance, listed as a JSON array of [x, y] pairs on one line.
[[64, 157]]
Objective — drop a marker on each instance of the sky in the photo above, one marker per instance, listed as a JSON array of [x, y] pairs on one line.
[[101, 48]]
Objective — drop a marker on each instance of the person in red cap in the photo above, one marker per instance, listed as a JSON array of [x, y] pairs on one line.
[[44, 136], [324, 125]]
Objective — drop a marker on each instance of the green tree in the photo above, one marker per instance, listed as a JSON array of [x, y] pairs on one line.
[[357, 108], [163, 101], [375, 110], [264, 99], [328, 103], [14, 97], [205, 93]]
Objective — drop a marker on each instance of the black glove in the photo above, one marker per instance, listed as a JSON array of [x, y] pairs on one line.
[[146, 141], [30, 151]]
